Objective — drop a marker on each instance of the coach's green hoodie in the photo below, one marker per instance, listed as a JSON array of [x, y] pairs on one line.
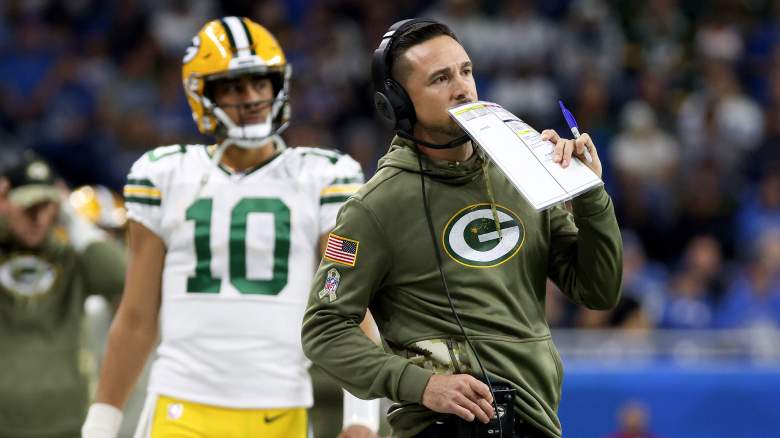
[[497, 253]]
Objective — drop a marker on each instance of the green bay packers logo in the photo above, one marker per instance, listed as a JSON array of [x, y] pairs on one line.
[[27, 275], [471, 237]]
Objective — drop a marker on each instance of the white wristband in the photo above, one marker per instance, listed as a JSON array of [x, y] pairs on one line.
[[102, 421], [361, 412]]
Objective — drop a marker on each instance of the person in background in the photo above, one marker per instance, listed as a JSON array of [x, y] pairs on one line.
[[439, 243], [50, 261], [633, 420], [224, 240]]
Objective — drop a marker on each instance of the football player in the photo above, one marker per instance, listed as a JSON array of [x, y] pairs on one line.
[[224, 240]]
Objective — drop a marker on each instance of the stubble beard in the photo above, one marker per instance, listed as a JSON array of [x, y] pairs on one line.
[[449, 130]]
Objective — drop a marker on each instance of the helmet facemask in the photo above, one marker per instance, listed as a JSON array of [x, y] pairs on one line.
[[255, 135]]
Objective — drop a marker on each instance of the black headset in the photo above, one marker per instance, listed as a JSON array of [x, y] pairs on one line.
[[390, 99]]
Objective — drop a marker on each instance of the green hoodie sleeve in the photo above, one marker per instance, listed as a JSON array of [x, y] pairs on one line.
[[104, 263], [331, 335], [586, 254]]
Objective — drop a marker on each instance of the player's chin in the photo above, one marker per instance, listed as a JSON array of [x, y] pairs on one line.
[[254, 120]]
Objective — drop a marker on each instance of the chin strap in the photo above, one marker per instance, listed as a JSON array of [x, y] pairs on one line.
[[248, 136], [453, 143], [360, 412]]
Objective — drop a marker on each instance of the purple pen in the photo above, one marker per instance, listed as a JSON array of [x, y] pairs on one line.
[[573, 127]]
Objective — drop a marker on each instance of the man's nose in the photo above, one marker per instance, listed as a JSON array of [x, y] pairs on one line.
[[461, 89], [250, 95]]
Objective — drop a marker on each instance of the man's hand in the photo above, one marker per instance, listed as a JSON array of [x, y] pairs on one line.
[[564, 148], [459, 394], [357, 431]]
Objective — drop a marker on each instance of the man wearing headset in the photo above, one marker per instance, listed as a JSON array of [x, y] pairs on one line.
[[223, 244], [440, 246]]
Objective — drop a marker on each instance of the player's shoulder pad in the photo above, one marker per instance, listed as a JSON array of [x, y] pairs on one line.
[[150, 170]]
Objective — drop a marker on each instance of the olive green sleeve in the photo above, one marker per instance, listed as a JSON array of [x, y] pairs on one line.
[[586, 253], [331, 335], [104, 263]]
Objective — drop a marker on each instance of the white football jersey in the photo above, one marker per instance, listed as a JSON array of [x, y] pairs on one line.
[[241, 253]]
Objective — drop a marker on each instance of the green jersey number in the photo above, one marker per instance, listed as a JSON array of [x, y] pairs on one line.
[[204, 282]]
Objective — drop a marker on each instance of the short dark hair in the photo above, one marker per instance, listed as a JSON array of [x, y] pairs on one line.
[[418, 33]]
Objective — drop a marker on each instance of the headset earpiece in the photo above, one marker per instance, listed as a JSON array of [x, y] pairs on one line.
[[384, 108], [402, 105]]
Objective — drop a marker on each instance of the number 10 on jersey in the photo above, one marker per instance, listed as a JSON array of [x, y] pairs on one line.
[[203, 282]]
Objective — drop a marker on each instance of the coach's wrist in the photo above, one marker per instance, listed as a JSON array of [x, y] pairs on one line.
[[412, 383], [103, 421]]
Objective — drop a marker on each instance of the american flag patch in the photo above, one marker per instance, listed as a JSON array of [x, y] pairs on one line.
[[341, 250]]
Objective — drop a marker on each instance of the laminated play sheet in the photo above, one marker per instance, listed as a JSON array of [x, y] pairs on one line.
[[519, 151]]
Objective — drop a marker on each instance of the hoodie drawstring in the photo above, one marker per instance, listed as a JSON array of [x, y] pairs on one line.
[[489, 187]]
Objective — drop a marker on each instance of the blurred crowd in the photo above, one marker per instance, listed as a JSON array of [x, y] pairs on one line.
[[681, 97]]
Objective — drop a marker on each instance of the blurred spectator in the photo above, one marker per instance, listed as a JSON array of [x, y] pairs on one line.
[[133, 95], [760, 209], [129, 26], [25, 67], [658, 90], [643, 154], [695, 287], [767, 155], [594, 116], [717, 37], [629, 315], [643, 280], [172, 118], [474, 30], [175, 22], [659, 29], [719, 121], [592, 42], [522, 81], [72, 129], [708, 206], [633, 419], [526, 92], [754, 298]]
